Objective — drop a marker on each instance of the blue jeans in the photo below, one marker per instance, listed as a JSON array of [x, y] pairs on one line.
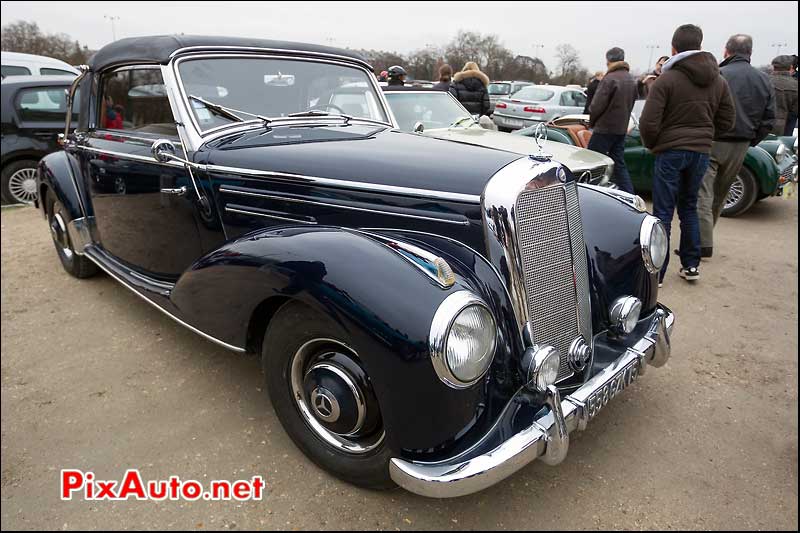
[[614, 147], [677, 177]]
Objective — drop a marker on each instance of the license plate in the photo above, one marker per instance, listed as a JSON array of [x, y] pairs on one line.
[[617, 384], [512, 122]]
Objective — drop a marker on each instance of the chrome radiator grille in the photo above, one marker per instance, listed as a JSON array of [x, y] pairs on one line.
[[553, 252]]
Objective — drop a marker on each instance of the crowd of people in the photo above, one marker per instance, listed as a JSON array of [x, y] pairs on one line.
[[699, 119]]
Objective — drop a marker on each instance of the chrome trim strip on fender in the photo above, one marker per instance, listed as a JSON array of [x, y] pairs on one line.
[[354, 185], [266, 215], [223, 189], [548, 436], [188, 326]]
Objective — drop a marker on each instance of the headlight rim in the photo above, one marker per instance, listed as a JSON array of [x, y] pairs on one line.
[[645, 243], [443, 320]]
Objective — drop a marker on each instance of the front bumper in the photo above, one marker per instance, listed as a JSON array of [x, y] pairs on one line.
[[548, 437]]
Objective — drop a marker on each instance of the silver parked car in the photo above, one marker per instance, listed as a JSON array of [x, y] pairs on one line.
[[537, 103], [501, 89]]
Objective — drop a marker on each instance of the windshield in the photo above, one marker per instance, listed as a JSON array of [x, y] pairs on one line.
[[499, 88], [435, 109], [534, 93], [277, 88]]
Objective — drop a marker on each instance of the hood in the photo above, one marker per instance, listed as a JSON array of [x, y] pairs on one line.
[[572, 157], [699, 66], [467, 74], [618, 65], [369, 154]]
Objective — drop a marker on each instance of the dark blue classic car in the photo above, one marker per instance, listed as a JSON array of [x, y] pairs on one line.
[[428, 313]]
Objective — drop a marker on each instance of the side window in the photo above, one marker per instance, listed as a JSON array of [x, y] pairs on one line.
[[44, 71], [579, 98], [135, 100], [13, 70], [567, 99], [44, 104]]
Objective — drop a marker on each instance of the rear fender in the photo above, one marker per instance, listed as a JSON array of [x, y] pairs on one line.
[[763, 166]]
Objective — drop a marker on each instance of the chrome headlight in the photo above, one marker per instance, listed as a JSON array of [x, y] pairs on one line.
[[462, 339], [780, 153], [654, 243]]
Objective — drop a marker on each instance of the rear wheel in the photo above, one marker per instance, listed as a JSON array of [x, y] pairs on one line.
[[742, 194], [19, 182], [323, 396], [75, 265]]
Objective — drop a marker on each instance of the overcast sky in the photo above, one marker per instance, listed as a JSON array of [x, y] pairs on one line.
[[592, 27]]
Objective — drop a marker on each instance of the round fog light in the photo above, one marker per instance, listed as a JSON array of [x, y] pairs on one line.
[[624, 313], [541, 364]]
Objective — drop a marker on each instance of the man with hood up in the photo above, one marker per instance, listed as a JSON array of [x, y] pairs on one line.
[[687, 106]]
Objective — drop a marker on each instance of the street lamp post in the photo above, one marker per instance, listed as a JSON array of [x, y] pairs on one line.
[[650, 57], [778, 46], [536, 47], [113, 29]]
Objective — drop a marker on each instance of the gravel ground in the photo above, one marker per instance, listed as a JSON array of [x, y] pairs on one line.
[[94, 378]]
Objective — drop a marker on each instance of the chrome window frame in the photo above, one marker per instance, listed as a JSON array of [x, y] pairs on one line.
[[196, 136]]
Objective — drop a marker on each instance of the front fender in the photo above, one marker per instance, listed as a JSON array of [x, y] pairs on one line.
[[57, 172], [763, 166], [383, 307]]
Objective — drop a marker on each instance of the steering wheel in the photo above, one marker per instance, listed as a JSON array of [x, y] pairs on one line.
[[326, 106]]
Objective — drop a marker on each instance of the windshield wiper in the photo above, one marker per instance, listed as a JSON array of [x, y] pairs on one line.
[[229, 112], [459, 121], [318, 113]]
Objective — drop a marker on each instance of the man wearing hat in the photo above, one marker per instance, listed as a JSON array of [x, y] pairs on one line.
[[785, 91]]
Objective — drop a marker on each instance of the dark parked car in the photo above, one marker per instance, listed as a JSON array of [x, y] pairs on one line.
[[427, 313], [33, 111]]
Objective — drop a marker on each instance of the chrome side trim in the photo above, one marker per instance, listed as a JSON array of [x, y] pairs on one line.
[[548, 436], [81, 233], [224, 189], [135, 157], [188, 326], [344, 184], [266, 215]]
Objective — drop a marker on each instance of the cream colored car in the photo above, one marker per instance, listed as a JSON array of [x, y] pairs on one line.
[[438, 114]]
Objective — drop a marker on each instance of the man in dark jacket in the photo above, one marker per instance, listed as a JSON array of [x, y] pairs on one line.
[[591, 88], [470, 87], [610, 114], [755, 116], [686, 106], [785, 92], [397, 76]]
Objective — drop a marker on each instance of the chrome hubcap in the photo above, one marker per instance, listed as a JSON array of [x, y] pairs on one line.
[[334, 397], [22, 185], [735, 194], [58, 230]]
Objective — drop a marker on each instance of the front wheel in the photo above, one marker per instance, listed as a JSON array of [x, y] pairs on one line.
[[742, 194], [75, 265], [19, 182], [324, 398]]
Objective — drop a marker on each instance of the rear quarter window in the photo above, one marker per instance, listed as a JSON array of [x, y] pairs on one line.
[[44, 104], [13, 70]]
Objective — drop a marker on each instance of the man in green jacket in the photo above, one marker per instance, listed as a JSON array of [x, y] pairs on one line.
[[785, 92], [686, 106]]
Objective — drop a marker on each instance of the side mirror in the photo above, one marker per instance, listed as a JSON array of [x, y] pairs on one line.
[[419, 127], [164, 151]]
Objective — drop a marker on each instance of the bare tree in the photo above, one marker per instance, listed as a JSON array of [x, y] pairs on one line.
[[568, 59], [26, 37]]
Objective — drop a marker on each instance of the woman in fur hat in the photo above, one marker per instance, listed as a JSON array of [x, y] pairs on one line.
[[470, 88]]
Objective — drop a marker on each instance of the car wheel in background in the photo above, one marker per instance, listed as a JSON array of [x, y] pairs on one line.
[[323, 396], [76, 265], [742, 194], [19, 182]]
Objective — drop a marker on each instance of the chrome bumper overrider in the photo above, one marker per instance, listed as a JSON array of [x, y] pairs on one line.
[[548, 437]]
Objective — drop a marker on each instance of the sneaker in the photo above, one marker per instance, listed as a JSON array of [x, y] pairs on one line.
[[660, 284], [689, 274]]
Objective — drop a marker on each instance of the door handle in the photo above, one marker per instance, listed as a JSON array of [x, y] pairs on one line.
[[175, 192]]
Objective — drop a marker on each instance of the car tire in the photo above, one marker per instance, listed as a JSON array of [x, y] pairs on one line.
[[76, 265], [19, 182], [294, 327], [742, 194]]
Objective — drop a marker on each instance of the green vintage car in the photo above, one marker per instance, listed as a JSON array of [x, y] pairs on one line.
[[767, 167]]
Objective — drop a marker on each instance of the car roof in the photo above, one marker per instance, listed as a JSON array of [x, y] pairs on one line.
[[36, 81], [32, 58], [410, 89], [161, 48]]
